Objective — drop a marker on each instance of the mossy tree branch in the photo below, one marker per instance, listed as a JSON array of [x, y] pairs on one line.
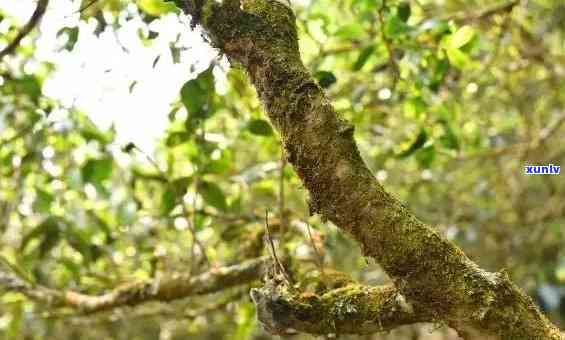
[[170, 287], [429, 271], [352, 309]]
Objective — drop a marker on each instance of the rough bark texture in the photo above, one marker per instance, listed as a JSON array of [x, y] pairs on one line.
[[168, 288], [352, 309], [429, 271]]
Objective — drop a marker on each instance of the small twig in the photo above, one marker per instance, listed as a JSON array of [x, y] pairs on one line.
[[191, 224], [486, 13], [196, 240], [150, 160], [273, 251], [31, 24], [551, 129], [121, 314], [318, 254], [388, 45]]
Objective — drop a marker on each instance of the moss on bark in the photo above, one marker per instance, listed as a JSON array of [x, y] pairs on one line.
[[352, 309], [429, 271]]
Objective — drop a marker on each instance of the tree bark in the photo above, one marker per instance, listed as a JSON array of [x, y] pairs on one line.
[[429, 271], [352, 309]]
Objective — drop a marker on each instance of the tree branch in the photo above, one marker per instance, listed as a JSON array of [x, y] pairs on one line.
[[353, 309], [501, 8], [31, 24], [429, 271], [175, 286]]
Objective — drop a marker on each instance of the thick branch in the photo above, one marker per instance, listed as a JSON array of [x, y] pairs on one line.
[[28, 27], [168, 288], [353, 309], [429, 271]]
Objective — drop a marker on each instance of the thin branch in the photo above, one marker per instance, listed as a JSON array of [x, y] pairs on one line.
[[195, 240], [191, 224], [466, 16], [551, 129], [388, 44], [273, 251], [31, 24], [505, 7], [319, 257], [164, 311], [170, 287]]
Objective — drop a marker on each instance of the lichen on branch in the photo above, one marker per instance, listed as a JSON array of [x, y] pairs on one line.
[[352, 309]]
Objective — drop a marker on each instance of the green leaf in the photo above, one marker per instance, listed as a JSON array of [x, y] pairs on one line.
[[175, 53], [461, 37], [459, 59], [168, 201], [363, 57], [181, 185], [421, 139], [441, 68], [260, 127], [90, 131], [157, 7], [364, 6], [72, 37], [197, 94], [213, 195], [325, 78], [29, 85], [219, 166], [71, 267], [350, 31], [97, 170], [414, 107], [42, 201], [177, 138], [394, 27], [404, 11], [449, 140], [426, 156]]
